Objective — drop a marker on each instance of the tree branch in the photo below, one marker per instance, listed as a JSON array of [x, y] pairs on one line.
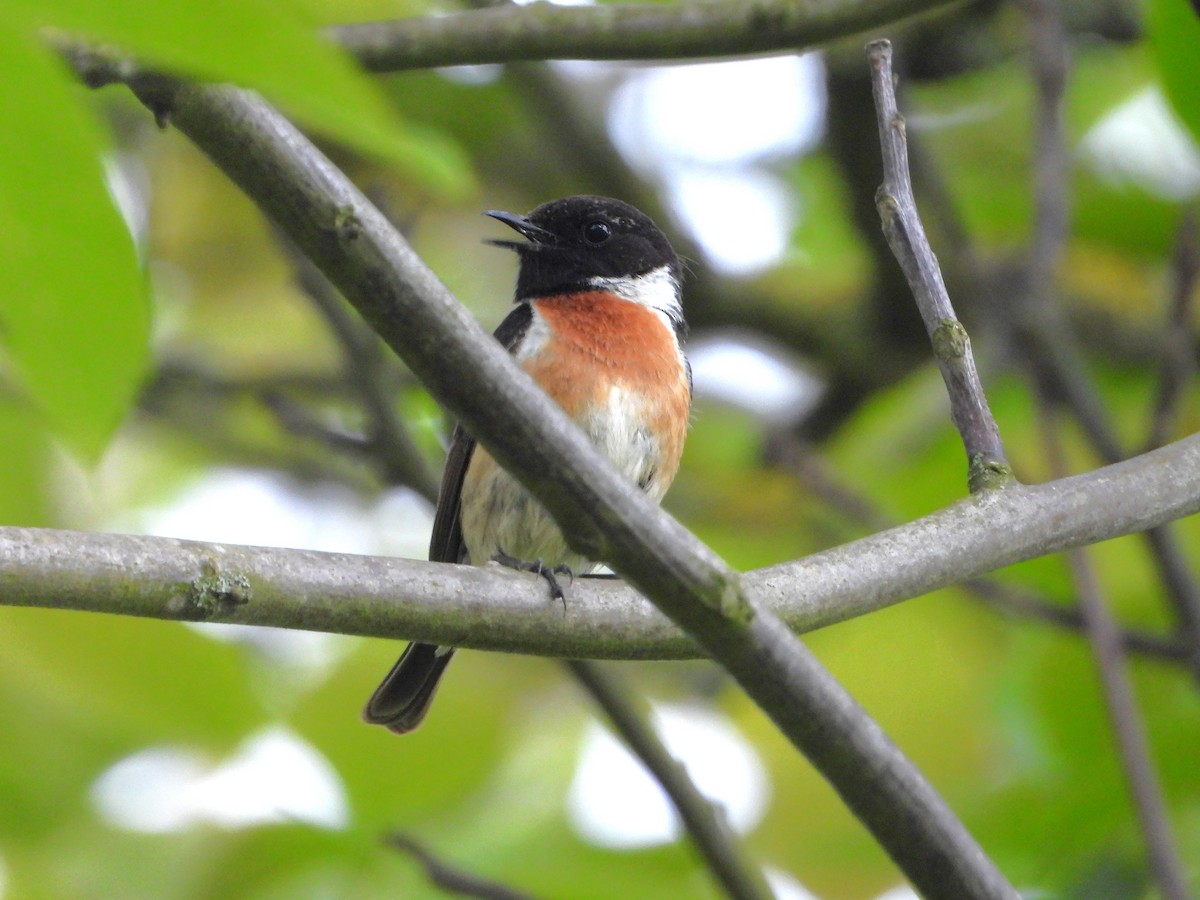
[[1002, 597], [704, 822], [452, 879], [1178, 361], [544, 31], [493, 608], [197, 403], [1132, 745], [1049, 65], [987, 465]]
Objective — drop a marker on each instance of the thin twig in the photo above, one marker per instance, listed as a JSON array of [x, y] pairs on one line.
[[641, 31], [451, 878], [390, 442], [179, 385], [180, 391], [1050, 64], [890, 339], [299, 420], [705, 823], [1178, 358], [176, 372], [1129, 733], [987, 465], [1006, 600]]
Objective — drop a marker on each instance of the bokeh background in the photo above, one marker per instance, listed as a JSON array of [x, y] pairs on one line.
[[149, 759]]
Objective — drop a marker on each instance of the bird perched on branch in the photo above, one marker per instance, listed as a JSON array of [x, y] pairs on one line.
[[599, 326]]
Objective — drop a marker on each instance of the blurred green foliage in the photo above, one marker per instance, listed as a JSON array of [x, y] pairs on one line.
[[73, 314], [1174, 30], [1003, 714]]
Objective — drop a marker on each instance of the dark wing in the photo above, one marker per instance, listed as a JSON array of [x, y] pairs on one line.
[[515, 324], [446, 543], [403, 697]]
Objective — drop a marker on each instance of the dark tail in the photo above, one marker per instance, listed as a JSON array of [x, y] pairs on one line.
[[402, 699]]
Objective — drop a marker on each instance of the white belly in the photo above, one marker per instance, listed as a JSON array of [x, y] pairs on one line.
[[498, 514]]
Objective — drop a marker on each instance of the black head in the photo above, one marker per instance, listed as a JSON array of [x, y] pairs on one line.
[[573, 242]]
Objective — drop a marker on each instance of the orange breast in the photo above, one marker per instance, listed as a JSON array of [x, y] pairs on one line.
[[602, 342], [599, 338]]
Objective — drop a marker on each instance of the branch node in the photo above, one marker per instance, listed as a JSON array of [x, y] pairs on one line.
[[733, 603], [878, 49], [950, 340], [346, 224], [985, 473], [887, 203], [215, 593]]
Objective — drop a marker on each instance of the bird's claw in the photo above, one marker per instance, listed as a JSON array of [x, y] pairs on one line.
[[550, 574]]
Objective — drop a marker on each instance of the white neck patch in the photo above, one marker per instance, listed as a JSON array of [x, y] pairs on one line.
[[657, 289]]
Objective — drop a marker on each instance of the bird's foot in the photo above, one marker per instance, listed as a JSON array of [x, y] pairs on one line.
[[549, 573]]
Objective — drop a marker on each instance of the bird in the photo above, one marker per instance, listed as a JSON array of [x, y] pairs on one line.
[[598, 323]]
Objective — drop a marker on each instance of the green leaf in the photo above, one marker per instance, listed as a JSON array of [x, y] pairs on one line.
[[73, 315], [270, 46], [1174, 31], [24, 460]]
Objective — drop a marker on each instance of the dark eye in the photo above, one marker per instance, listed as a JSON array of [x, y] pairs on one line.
[[596, 232]]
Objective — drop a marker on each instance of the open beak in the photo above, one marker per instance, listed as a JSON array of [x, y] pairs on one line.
[[537, 237]]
